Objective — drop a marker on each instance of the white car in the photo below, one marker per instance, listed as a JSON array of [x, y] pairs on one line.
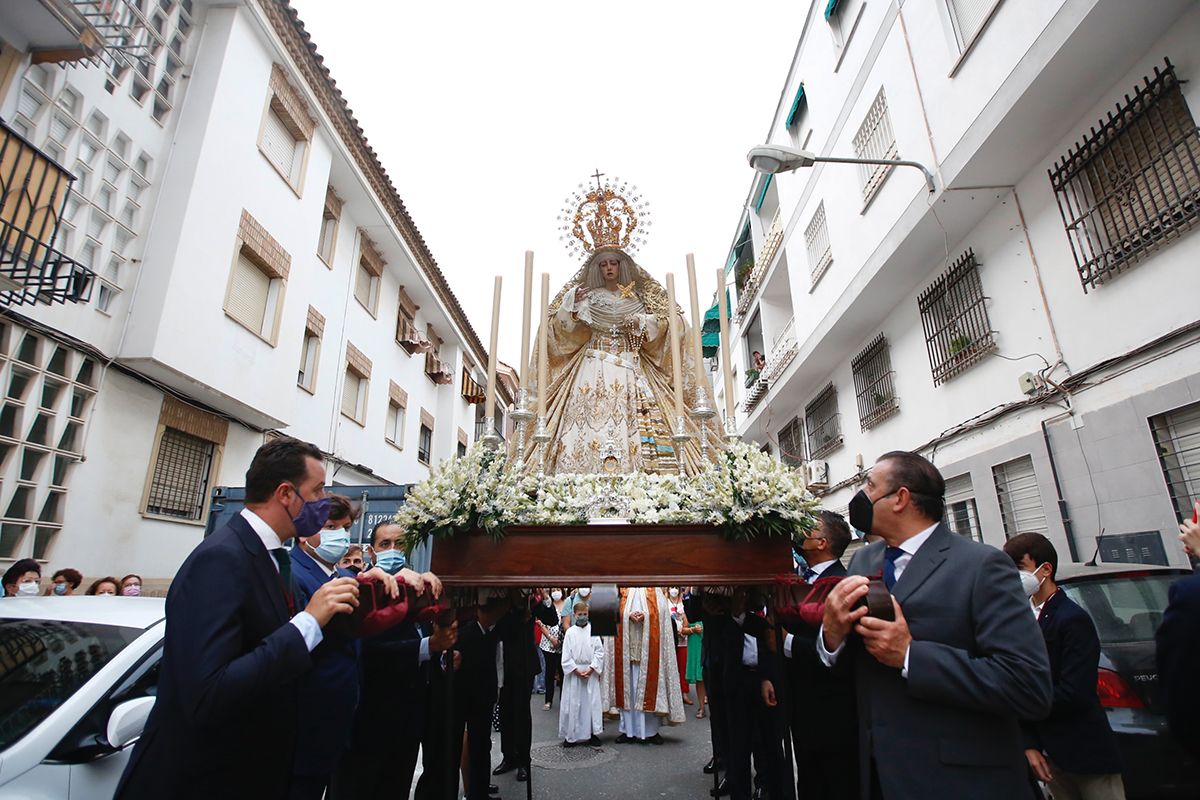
[[78, 677]]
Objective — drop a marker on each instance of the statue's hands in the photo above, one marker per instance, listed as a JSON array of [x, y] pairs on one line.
[[581, 293]]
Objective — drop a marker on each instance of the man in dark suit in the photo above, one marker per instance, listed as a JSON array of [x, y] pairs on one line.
[[1072, 750], [226, 714], [389, 725], [821, 706], [941, 689], [520, 668], [1178, 640], [476, 684]]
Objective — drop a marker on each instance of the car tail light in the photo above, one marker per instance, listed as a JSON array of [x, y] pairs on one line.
[[1115, 692]]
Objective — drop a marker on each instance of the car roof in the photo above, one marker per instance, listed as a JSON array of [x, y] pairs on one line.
[[1068, 573], [128, 612]]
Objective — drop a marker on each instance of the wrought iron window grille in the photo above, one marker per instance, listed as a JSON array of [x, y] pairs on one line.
[[873, 385], [1133, 183], [823, 422], [34, 190], [955, 321], [179, 485]]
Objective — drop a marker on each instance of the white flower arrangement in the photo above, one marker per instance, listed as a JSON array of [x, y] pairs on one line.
[[745, 492]]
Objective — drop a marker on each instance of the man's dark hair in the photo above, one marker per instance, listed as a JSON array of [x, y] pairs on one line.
[[1037, 547], [921, 478], [380, 526], [342, 507], [73, 576], [281, 460], [836, 531], [19, 568]]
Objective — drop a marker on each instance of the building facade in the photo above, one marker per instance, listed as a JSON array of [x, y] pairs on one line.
[[255, 273], [1030, 320]]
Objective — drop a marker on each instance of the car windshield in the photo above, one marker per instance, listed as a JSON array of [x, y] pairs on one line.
[[43, 662], [1125, 609]]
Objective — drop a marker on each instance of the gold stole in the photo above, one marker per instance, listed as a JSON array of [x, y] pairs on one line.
[[650, 662]]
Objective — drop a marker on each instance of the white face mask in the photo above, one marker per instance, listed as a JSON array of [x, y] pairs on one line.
[[1030, 583], [585, 591], [27, 589], [556, 595], [673, 592]]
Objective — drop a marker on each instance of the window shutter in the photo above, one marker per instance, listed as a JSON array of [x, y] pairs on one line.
[[1020, 499], [350, 395], [969, 16], [248, 293], [362, 285], [278, 143]]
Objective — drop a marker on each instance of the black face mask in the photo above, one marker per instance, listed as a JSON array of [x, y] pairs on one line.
[[862, 511]]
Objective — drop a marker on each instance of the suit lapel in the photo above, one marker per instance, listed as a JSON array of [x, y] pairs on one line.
[[264, 565], [923, 564]]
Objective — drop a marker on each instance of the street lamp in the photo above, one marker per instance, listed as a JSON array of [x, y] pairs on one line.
[[771, 159]]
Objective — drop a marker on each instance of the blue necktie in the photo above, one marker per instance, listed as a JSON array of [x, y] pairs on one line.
[[809, 574], [889, 566]]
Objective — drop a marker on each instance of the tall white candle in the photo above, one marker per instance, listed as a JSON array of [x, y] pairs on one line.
[[726, 367], [489, 408], [676, 371], [543, 350], [702, 388], [523, 361]]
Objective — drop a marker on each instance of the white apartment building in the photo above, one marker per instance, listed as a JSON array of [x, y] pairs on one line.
[[255, 272], [1030, 324]]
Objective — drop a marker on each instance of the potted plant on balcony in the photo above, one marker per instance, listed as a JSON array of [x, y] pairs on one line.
[[881, 399], [742, 272], [960, 348], [751, 377]]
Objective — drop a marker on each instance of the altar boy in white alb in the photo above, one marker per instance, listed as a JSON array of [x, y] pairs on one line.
[[580, 714]]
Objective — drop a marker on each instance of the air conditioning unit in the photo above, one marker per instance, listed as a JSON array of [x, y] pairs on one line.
[[817, 474]]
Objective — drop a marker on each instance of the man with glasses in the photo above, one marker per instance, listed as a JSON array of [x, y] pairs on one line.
[[942, 686]]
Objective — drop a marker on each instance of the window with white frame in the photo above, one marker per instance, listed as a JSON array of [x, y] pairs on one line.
[[187, 451], [254, 297], [306, 377], [1177, 437], [962, 514], [354, 395], [876, 140], [180, 478], [1020, 499], [393, 430], [968, 18], [286, 130], [366, 286], [816, 239]]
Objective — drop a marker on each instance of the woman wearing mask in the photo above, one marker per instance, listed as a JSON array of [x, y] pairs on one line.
[[65, 582], [23, 579], [678, 620], [549, 622], [104, 587], [131, 585]]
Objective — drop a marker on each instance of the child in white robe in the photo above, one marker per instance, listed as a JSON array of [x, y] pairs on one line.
[[580, 716]]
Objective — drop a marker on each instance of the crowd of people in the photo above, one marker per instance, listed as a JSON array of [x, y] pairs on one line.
[[931, 663], [24, 579]]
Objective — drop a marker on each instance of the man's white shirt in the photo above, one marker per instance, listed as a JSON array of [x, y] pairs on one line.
[[910, 547], [305, 622]]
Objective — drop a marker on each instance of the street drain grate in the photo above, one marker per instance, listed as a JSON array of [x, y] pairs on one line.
[[552, 755]]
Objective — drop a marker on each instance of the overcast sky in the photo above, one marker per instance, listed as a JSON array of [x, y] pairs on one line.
[[488, 114]]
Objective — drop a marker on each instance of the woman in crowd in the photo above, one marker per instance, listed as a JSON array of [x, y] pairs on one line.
[[65, 582], [105, 586], [131, 585], [678, 618], [549, 622], [694, 631]]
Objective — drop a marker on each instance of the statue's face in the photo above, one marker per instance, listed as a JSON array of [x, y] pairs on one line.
[[610, 267]]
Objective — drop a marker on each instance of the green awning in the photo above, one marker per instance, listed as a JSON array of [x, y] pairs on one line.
[[797, 106], [762, 196], [712, 317], [829, 9], [710, 343]]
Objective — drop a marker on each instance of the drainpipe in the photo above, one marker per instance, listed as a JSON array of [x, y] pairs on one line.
[[1064, 512]]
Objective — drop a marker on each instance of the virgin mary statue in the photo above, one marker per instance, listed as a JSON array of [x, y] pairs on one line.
[[610, 397]]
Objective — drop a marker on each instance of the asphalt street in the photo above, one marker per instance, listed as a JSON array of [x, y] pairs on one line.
[[669, 770]]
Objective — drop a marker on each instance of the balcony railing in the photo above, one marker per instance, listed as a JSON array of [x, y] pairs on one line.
[[481, 430], [766, 254], [782, 351], [33, 193]]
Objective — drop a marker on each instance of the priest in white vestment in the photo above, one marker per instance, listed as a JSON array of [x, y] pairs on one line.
[[644, 684], [580, 715]]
